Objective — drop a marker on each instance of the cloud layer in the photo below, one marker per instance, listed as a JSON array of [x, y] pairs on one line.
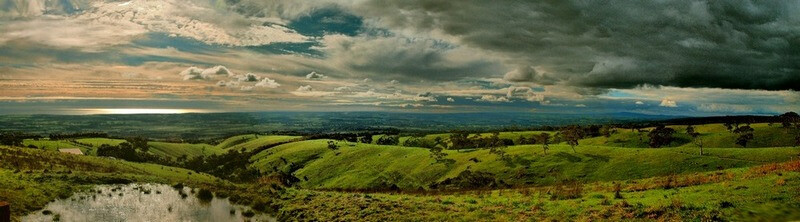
[[621, 44], [671, 57]]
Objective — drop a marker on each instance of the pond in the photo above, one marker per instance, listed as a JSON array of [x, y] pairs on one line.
[[143, 202]]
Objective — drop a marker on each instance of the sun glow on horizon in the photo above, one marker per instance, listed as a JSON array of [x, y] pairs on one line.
[[139, 111]]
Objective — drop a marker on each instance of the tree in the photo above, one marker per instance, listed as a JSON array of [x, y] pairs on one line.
[[789, 118], [571, 135], [606, 130], [438, 141], [496, 145], [388, 140], [797, 137], [525, 140], [438, 154], [460, 140], [745, 135], [139, 143], [660, 136], [332, 145], [544, 138], [366, 139], [695, 137], [11, 138], [416, 141]]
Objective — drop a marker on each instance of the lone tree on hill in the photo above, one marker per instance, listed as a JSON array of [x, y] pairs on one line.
[[571, 135], [731, 125], [437, 152], [544, 138], [789, 118], [661, 136], [745, 135], [496, 145], [695, 137]]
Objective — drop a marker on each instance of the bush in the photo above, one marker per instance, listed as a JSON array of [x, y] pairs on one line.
[[661, 136], [205, 195], [388, 140]]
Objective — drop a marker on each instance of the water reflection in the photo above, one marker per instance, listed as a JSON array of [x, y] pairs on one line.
[[142, 202]]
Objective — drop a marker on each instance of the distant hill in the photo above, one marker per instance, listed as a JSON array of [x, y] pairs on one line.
[[223, 125]]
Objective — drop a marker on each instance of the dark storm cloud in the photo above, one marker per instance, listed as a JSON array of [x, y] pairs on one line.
[[621, 44]]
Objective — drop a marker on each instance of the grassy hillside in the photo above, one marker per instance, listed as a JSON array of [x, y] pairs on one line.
[[711, 135], [365, 166], [252, 141], [165, 149], [762, 193], [175, 150], [52, 144], [31, 178], [503, 135]]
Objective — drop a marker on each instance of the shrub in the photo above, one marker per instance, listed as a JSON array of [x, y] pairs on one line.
[[660, 136], [388, 140], [617, 190], [725, 204], [205, 195]]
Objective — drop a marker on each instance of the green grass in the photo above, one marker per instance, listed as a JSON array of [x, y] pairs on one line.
[[234, 140], [251, 142], [176, 150], [445, 136], [711, 135], [51, 145], [165, 149], [365, 166], [96, 142], [733, 196], [30, 178]]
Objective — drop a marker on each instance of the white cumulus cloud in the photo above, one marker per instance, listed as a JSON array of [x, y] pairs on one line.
[[668, 103], [493, 98], [315, 76], [268, 83]]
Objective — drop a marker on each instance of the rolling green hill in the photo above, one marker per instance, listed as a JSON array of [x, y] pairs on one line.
[[673, 183], [365, 166], [252, 141], [711, 135], [166, 149], [759, 193]]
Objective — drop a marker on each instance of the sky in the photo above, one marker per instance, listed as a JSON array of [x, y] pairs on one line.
[[666, 57]]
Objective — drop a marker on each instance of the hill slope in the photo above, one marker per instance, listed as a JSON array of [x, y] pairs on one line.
[[367, 166]]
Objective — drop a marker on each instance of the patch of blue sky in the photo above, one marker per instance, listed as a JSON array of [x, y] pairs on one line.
[[483, 83], [326, 21], [137, 60], [617, 94]]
